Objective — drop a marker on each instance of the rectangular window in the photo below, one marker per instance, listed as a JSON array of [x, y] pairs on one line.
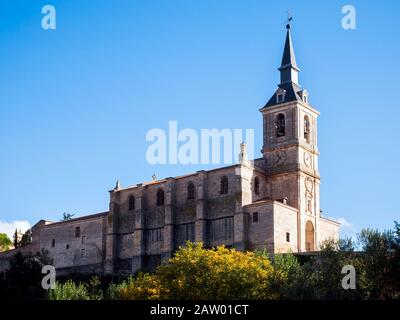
[[82, 253], [287, 237], [77, 232], [255, 217], [53, 243]]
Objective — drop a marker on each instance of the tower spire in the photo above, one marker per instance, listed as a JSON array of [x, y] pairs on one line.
[[288, 88], [289, 70]]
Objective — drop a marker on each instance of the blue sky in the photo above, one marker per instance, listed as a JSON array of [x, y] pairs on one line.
[[76, 102]]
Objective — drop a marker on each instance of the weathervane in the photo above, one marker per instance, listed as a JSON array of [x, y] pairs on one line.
[[289, 18]]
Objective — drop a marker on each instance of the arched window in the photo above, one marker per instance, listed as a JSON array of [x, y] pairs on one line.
[[160, 197], [131, 203], [307, 128], [190, 191], [224, 185], [280, 125], [256, 186], [309, 235]]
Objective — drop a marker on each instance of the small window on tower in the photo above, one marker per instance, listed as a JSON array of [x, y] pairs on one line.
[[280, 125], [255, 217], [53, 243], [131, 203], [307, 128], [280, 96], [160, 197], [77, 232], [190, 191], [224, 185], [287, 237]]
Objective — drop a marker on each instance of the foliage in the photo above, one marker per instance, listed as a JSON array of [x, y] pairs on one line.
[[69, 290], [67, 216], [197, 273], [221, 273], [142, 287], [380, 263], [24, 275], [94, 289], [5, 242], [291, 280], [16, 239], [26, 238], [325, 270]]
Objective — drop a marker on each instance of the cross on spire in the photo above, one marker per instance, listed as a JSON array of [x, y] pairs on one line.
[[289, 18]]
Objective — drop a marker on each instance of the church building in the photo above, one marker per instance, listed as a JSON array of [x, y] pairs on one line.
[[271, 203]]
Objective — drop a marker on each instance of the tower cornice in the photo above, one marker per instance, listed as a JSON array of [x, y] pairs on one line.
[[284, 105]]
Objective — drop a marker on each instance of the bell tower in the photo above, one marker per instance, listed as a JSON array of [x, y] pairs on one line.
[[290, 148]]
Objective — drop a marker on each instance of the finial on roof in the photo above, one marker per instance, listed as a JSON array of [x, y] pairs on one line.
[[289, 18], [154, 177], [243, 153], [117, 185]]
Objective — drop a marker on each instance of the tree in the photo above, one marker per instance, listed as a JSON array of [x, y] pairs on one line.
[[26, 238], [73, 291], [16, 239], [325, 271], [5, 242], [196, 273], [395, 262], [291, 281], [24, 275], [380, 263], [69, 291], [67, 216]]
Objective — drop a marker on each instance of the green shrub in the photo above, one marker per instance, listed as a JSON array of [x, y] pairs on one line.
[[69, 291]]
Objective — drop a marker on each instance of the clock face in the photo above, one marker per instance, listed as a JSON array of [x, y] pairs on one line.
[[279, 158], [307, 159]]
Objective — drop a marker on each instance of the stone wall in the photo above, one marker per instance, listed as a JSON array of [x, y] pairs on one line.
[[76, 242], [261, 230], [127, 240], [328, 229], [285, 228]]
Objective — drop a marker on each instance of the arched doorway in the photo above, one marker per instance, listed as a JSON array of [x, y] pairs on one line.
[[309, 236]]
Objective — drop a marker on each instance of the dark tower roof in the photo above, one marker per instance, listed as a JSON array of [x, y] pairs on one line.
[[289, 75], [288, 52]]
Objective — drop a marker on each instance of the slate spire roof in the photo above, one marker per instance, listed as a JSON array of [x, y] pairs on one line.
[[289, 70], [288, 52]]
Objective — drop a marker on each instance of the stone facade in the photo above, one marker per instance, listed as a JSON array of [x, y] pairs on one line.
[[271, 202]]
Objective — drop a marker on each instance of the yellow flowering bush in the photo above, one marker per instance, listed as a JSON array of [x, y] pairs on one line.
[[198, 273], [144, 286]]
